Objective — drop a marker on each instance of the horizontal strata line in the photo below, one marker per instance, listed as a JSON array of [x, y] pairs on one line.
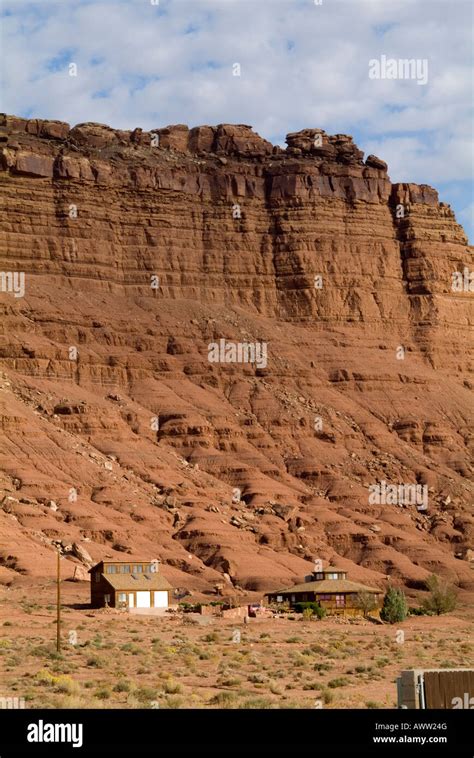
[[358, 277]]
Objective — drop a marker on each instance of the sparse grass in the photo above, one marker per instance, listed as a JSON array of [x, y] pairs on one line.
[[275, 688], [145, 694], [224, 700], [173, 702], [257, 678], [123, 686], [257, 703], [172, 688], [211, 637], [340, 681], [167, 664], [103, 693], [94, 662], [326, 695], [229, 681], [129, 647]]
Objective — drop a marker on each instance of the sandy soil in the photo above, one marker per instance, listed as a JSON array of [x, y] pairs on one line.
[[175, 661]]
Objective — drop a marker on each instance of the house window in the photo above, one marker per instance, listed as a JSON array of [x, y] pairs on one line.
[[332, 576], [122, 596], [107, 598], [279, 598], [126, 569], [97, 576], [319, 577], [340, 601], [293, 598], [110, 569], [137, 569]]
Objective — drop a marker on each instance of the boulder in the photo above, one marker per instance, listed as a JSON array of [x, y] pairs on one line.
[[57, 130], [80, 574], [375, 162], [201, 139], [241, 140], [96, 136], [34, 165], [81, 553], [174, 137]]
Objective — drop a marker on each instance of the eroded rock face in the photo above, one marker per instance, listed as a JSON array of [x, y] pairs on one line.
[[226, 139], [139, 251]]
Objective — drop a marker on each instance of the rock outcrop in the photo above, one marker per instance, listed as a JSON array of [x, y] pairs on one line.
[[139, 250]]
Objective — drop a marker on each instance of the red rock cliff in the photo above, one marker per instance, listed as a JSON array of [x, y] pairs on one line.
[[346, 277]]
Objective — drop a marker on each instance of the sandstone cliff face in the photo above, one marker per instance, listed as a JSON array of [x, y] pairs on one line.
[[139, 249]]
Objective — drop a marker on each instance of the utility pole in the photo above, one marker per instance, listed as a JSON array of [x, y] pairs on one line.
[[58, 603]]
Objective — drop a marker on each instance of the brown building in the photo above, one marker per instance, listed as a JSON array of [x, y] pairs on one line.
[[331, 589], [130, 584]]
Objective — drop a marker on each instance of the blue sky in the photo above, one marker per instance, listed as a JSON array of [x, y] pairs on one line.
[[148, 64]]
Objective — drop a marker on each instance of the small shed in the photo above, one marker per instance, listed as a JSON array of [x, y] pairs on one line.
[[436, 688], [129, 584]]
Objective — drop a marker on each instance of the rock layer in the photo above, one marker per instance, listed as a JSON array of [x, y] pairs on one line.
[[139, 249]]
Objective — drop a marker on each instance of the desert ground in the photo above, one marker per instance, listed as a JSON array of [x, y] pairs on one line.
[[185, 661]]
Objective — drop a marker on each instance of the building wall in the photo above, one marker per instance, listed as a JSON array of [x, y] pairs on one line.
[[134, 593], [99, 590]]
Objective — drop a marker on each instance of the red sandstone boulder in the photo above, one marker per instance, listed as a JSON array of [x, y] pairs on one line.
[[174, 137], [139, 137], [34, 165], [241, 140], [307, 139], [414, 193], [57, 130], [93, 135], [69, 167], [13, 123], [373, 162], [201, 139]]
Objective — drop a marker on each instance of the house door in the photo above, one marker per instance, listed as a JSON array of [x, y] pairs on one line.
[[143, 600], [131, 601]]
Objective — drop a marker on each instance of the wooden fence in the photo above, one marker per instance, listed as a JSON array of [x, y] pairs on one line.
[[436, 688]]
